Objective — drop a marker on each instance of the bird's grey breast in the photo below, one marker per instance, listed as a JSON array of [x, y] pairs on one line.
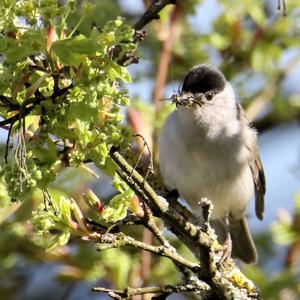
[[194, 164]]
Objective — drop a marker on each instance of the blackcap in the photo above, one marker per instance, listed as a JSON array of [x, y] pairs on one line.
[[207, 149]]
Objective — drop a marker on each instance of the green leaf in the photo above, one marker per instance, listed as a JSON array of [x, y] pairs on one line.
[[3, 44], [64, 238], [15, 54], [73, 51], [32, 89], [119, 184], [257, 13], [65, 132], [46, 153], [79, 44], [82, 111], [29, 120], [116, 71], [283, 232], [109, 167], [31, 42], [58, 240], [118, 205]]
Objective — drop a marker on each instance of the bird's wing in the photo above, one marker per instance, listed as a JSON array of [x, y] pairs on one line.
[[259, 181], [257, 171]]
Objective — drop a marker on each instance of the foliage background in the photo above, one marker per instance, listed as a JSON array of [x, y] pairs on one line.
[[258, 50]]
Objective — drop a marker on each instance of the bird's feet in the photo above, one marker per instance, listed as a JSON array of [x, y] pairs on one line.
[[226, 250]]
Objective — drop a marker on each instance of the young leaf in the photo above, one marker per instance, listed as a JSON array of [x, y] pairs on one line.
[[72, 51], [118, 205]]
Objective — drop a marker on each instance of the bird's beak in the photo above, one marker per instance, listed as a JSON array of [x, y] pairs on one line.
[[187, 99]]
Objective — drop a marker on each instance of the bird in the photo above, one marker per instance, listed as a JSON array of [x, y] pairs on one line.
[[207, 149]]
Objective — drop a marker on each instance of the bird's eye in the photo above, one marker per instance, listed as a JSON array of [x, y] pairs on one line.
[[209, 95]]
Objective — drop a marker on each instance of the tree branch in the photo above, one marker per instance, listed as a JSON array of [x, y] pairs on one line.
[[119, 240], [152, 13], [166, 290], [202, 243], [24, 110], [151, 225]]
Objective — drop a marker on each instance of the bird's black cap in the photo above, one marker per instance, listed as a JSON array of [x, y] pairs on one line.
[[203, 78]]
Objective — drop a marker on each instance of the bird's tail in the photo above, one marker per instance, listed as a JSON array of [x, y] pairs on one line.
[[243, 246]]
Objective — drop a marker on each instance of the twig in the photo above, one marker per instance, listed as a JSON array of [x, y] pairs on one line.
[[152, 13], [8, 142], [168, 289], [8, 102], [151, 225], [202, 289], [134, 179], [109, 241], [14, 118], [206, 206], [150, 164], [35, 100]]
